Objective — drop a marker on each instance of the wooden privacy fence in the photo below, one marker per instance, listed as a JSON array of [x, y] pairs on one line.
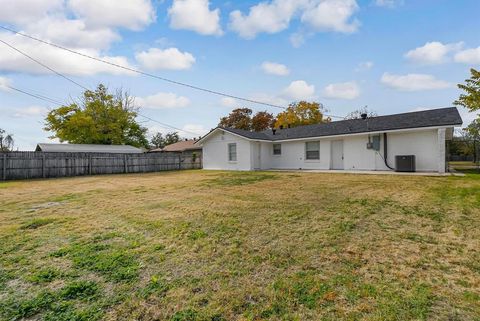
[[26, 165]]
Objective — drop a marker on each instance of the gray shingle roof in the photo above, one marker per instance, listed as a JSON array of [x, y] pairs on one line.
[[87, 148], [418, 119]]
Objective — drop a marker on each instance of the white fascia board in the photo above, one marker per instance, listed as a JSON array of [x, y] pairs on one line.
[[326, 137], [362, 133], [229, 132]]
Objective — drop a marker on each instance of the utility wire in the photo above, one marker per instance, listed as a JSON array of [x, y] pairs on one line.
[[41, 97], [149, 74], [218, 93], [75, 83], [54, 101], [43, 65]]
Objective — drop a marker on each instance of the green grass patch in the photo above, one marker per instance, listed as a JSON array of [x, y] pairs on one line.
[[115, 263], [240, 178], [84, 290], [156, 286], [45, 275], [36, 223]]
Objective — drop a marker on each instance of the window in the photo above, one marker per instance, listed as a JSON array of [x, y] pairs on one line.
[[277, 149], [232, 152], [312, 150]]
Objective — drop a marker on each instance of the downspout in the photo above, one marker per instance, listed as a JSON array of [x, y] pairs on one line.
[[385, 151]]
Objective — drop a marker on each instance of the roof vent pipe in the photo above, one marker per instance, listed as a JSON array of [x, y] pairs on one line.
[[364, 116], [274, 131], [289, 126], [281, 126]]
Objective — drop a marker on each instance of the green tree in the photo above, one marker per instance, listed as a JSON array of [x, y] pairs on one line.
[[302, 113], [157, 141], [471, 98], [473, 130], [171, 138], [6, 141], [99, 118]]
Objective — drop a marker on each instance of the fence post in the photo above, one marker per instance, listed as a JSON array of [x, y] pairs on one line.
[[44, 174], [4, 166], [89, 164], [125, 163]]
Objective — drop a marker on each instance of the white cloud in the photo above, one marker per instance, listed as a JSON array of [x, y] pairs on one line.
[[59, 60], [347, 90], [413, 82], [31, 111], [270, 99], [195, 15], [468, 56], [433, 52], [332, 15], [274, 68], [171, 58], [276, 15], [72, 33], [131, 14], [299, 90], [25, 11], [229, 102], [268, 17], [388, 3], [191, 129], [297, 39], [366, 65], [163, 101], [84, 25], [4, 82]]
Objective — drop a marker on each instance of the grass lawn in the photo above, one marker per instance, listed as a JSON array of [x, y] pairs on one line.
[[199, 245]]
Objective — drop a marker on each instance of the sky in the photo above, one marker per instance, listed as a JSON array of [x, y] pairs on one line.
[[390, 55]]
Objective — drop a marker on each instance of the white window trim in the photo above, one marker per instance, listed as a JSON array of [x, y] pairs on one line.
[[305, 148], [273, 150], [228, 152]]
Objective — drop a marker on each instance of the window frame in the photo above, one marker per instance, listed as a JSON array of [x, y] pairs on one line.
[[229, 152], [317, 142], [273, 149]]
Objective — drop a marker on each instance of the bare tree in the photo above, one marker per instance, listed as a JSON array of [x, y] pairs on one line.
[[357, 114], [6, 141]]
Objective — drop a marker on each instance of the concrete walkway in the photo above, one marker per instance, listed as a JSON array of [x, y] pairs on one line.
[[436, 174]]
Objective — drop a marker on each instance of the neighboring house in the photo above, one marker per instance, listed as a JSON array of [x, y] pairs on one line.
[[186, 148], [358, 144], [88, 148], [180, 147]]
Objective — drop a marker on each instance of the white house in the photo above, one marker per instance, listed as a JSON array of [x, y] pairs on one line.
[[412, 141]]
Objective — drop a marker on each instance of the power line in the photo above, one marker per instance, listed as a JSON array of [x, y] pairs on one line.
[[149, 74], [54, 101], [43, 65], [75, 83], [41, 97], [140, 72], [218, 93]]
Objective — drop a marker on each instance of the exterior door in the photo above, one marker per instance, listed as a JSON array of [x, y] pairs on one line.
[[337, 154]]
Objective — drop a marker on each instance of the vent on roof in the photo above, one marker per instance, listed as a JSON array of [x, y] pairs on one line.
[[364, 116]]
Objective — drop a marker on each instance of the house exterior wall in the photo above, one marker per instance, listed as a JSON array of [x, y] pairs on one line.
[[425, 144], [215, 152]]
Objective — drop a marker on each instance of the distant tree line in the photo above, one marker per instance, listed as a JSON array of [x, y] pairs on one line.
[[296, 114]]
